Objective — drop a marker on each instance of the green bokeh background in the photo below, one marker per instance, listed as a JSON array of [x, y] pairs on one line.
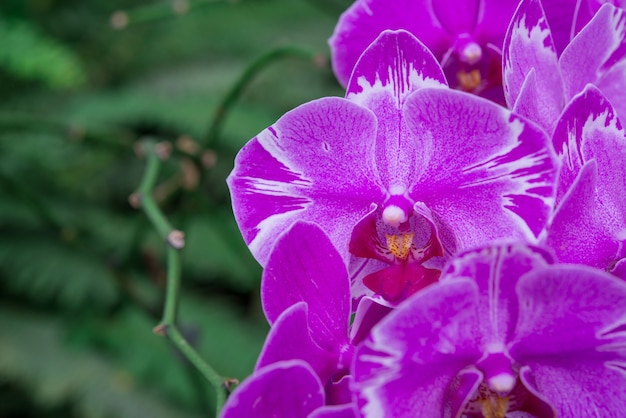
[[81, 272]]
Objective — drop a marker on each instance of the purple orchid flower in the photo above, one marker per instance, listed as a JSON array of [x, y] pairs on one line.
[[504, 333], [465, 36], [567, 17], [284, 389], [403, 168], [589, 223], [305, 293], [538, 82]]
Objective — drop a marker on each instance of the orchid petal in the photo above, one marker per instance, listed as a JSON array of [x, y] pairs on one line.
[[589, 129], [571, 333], [305, 267], [393, 67], [593, 53], [412, 355], [314, 164], [335, 411], [358, 269], [533, 104], [536, 403], [461, 391], [579, 233], [496, 271], [589, 225], [362, 23], [562, 16], [455, 16], [493, 19], [528, 44], [488, 174], [368, 314], [263, 394], [290, 339]]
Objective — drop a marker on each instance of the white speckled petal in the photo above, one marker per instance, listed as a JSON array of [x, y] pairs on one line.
[[388, 72], [596, 55], [404, 368], [315, 164], [488, 173], [589, 225], [528, 45]]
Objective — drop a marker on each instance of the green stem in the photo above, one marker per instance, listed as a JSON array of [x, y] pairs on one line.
[[148, 204], [194, 358], [174, 238], [244, 80]]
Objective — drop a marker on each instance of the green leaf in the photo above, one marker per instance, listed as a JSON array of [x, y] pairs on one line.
[[49, 271], [33, 353], [29, 54], [215, 251]]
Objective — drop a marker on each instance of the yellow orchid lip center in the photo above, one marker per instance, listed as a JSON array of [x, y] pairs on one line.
[[495, 406], [400, 245], [469, 81]]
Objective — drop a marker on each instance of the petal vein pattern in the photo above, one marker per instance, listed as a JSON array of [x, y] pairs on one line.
[[481, 163], [314, 164]]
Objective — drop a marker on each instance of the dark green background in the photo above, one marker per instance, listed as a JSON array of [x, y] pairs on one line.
[[81, 272]]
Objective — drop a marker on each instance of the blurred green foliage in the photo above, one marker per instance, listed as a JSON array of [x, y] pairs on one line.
[[81, 272]]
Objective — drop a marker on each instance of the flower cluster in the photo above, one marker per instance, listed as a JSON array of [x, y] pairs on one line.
[[449, 239]]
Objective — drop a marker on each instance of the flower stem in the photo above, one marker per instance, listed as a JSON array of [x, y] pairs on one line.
[[175, 240], [233, 94]]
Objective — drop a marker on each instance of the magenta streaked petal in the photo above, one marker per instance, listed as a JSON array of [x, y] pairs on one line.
[[263, 394], [395, 65], [335, 411], [361, 24], [579, 232], [528, 44], [315, 164], [594, 52], [413, 354], [590, 304], [290, 339], [368, 314], [536, 403], [589, 225], [562, 16], [305, 267], [589, 129], [496, 271], [392, 68], [488, 174], [461, 391], [571, 334], [536, 104]]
